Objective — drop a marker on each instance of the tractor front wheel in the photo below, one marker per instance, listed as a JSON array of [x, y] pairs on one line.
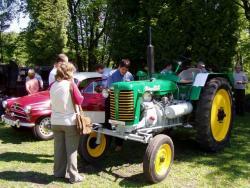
[[214, 115], [158, 158], [89, 150]]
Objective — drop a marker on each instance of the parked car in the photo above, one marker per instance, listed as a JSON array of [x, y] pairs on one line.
[[34, 110]]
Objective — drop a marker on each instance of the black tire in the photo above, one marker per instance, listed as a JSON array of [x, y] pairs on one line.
[[152, 157], [15, 128], [42, 130], [216, 98], [89, 150]]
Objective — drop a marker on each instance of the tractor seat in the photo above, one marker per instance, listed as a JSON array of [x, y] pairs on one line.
[[183, 82], [188, 76]]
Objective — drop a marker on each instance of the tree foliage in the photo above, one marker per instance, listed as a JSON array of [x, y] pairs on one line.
[[15, 47], [46, 34], [197, 30], [9, 10], [101, 31], [86, 31]]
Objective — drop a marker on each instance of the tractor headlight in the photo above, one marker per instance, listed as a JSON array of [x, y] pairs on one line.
[[105, 93], [147, 96], [4, 104], [27, 109]]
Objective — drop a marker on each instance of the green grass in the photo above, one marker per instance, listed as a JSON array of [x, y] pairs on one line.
[[25, 162]]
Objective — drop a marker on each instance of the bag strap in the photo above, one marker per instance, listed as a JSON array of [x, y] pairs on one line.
[[77, 108], [72, 98]]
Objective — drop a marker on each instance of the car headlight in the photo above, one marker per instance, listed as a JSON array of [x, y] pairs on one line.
[[27, 109], [105, 93], [147, 97], [4, 104]]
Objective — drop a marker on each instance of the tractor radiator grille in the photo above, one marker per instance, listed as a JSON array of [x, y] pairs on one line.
[[124, 108]]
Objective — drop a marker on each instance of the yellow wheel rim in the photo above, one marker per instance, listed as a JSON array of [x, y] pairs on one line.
[[93, 149], [221, 115], [163, 159]]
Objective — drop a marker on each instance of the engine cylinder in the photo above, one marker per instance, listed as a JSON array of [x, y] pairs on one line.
[[174, 111]]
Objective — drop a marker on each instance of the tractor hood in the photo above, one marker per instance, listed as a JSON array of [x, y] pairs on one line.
[[158, 86]]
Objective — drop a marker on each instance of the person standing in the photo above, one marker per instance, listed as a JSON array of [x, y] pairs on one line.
[[105, 72], [38, 77], [32, 84], [202, 67], [13, 72], [64, 94], [167, 69], [61, 58], [240, 81], [119, 75]]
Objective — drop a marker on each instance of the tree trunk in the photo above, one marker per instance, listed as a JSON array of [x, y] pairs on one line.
[[72, 10]]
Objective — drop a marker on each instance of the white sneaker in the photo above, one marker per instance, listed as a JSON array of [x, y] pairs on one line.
[[77, 180]]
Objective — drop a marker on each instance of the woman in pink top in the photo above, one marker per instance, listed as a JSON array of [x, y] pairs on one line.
[[63, 123], [32, 85]]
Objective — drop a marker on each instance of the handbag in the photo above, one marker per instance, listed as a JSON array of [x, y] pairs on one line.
[[83, 123]]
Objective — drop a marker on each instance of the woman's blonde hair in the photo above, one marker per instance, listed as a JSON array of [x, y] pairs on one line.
[[65, 71], [31, 73]]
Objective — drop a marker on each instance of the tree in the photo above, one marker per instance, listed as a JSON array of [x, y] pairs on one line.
[[9, 9], [14, 47], [243, 45], [194, 29], [46, 34], [127, 30], [245, 5], [86, 31]]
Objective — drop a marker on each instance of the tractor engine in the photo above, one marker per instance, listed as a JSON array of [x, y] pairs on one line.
[[148, 103], [163, 110]]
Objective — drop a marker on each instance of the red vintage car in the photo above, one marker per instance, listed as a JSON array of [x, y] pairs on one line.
[[34, 111]]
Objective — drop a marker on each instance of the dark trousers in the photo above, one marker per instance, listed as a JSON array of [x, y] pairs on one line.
[[107, 111], [118, 141], [239, 95]]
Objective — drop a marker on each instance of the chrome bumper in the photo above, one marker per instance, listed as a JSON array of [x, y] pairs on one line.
[[16, 123]]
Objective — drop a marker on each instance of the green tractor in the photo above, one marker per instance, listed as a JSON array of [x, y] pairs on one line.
[[143, 110]]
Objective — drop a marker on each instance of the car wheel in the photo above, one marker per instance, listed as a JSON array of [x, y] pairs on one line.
[[42, 130]]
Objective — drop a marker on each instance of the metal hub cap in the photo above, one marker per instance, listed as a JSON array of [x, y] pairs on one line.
[[45, 127], [95, 150], [163, 159], [221, 115]]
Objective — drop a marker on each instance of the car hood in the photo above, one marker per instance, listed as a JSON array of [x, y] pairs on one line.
[[37, 100]]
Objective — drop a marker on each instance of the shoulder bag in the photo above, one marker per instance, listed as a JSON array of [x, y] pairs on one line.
[[83, 123]]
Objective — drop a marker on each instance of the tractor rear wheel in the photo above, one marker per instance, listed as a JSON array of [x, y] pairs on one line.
[[158, 158], [214, 115], [89, 150]]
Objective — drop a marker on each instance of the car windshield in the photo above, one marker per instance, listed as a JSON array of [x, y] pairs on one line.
[[95, 87], [189, 74]]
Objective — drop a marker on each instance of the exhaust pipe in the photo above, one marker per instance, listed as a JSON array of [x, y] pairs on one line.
[[150, 56]]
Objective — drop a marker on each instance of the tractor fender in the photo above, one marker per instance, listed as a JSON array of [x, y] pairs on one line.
[[201, 79]]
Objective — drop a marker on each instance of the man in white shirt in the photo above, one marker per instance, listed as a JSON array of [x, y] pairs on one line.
[[240, 83], [61, 58]]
